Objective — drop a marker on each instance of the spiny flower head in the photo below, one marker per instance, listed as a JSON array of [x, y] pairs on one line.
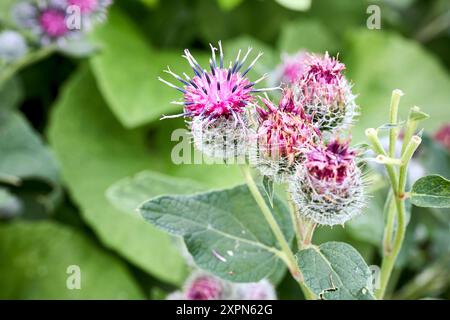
[[443, 136], [291, 68], [46, 19], [220, 92], [326, 94], [328, 186], [49, 19], [283, 134], [217, 102], [332, 163]]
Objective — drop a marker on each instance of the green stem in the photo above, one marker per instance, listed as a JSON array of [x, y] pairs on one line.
[[393, 132], [390, 256], [390, 219], [289, 258], [25, 61], [295, 222], [389, 259]]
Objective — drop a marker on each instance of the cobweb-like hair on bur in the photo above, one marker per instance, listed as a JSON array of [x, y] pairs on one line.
[[326, 94], [328, 187]]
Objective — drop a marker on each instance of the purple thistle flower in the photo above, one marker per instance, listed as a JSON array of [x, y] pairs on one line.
[[45, 19], [203, 286], [328, 187], [222, 92], [326, 94], [333, 163], [284, 132], [217, 102], [51, 21]]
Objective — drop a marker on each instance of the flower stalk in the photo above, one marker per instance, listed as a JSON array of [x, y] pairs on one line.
[[288, 256], [397, 171]]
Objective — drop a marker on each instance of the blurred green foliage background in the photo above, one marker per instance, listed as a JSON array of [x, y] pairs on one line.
[[71, 127]]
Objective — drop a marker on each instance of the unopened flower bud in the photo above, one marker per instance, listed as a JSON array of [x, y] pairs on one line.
[[328, 187], [283, 133], [326, 94]]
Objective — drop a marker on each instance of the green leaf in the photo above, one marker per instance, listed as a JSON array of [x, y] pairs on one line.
[[34, 259], [95, 151], [417, 115], [267, 185], [335, 271], [223, 230], [296, 36], [11, 94], [128, 193], [299, 5], [24, 156], [379, 62], [143, 99], [229, 4], [150, 3], [431, 192]]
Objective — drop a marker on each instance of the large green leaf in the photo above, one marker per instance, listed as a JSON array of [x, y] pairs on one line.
[[378, 62], [431, 192], [223, 230], [35, 257], [11, 94], [23, 154], [128, 193], [127, 69], [95, 151], [335, 271]]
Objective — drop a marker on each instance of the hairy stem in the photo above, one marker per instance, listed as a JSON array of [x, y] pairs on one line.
[[289, 256]]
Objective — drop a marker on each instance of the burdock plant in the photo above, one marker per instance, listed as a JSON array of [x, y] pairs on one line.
[[302, 143]]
